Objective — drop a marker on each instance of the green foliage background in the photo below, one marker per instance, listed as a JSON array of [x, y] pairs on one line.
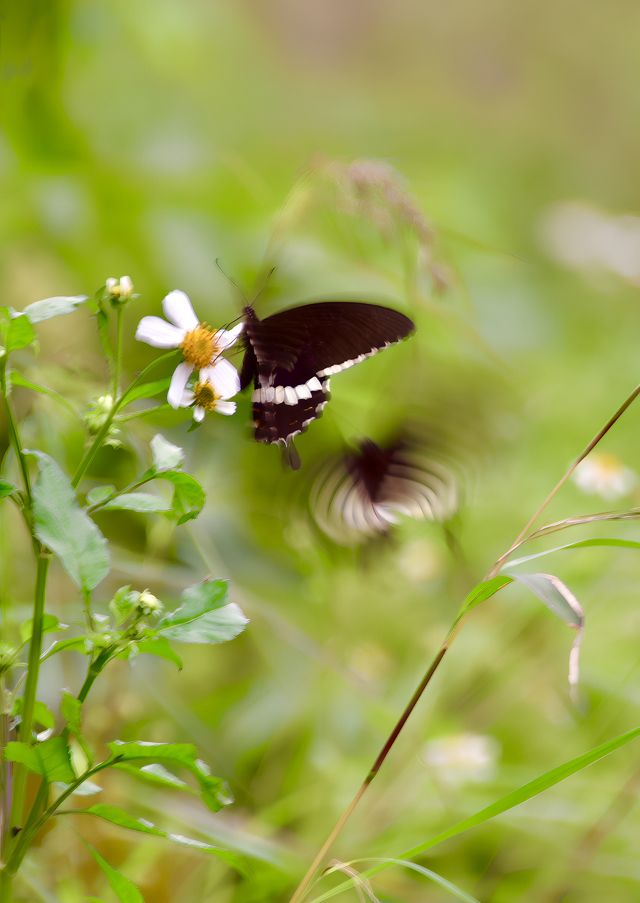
[[151, 139]]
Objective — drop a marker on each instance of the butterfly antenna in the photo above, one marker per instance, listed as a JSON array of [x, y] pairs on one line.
[[245, 302], [263, 285]]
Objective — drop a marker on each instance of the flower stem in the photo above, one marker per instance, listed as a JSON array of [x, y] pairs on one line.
[[117, 359], [31, 688], [118, 403], [522, 537]]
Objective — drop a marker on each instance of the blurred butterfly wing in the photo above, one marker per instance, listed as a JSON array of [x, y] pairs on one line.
[[364, 493]]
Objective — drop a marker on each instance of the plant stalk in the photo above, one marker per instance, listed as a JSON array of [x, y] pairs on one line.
[[522, 537], [30, 691]]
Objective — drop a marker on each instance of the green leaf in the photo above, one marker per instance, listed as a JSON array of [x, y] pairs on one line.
[[99, 494], [17, 331], [581, 544], [76, 643], [212, 790], [205, 615], [147, 390], [53, 307], [50, 623], [137, 501], [166, 456], [123, 819], [560, 600], [124, 889], [50, 759], [42, 714], [17, 379], [123, 604], [159, 775], [6, 488], [161, 647], [62, 526], [71, 710], [484, 591], [188, 495], [504, 804]]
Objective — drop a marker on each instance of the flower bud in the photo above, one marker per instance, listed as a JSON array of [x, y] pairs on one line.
[[149, 604], [120, 290]]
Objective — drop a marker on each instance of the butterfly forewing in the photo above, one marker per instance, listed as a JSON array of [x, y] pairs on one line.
[[290, 355]]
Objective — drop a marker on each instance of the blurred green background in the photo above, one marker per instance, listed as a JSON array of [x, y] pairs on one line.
[[152, 138]]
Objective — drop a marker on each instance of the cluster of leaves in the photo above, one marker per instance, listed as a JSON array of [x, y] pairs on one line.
[[62, 522]]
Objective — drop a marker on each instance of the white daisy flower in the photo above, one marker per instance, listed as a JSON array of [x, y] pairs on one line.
[[462, 758], [604, 475], [216, 384], [201, 345]]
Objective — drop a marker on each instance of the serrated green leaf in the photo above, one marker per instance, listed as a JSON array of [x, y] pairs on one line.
[[50, 623], [62, 526], [50, 759], [53, 307], [205, 615], [123, 604], [161, 647], [166, 456], [71, 710], [75, 643], [124, 889], [42, 714], [143, 502], [123, 819], [188, 495], [99, 494], [213, 791]]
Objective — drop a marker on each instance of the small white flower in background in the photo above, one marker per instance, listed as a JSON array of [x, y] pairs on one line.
[[201, 348], [604, 475], [119, 289], [211, 392], [462, 758]]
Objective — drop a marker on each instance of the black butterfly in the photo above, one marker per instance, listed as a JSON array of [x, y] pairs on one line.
[[290, 356], [364, 492]]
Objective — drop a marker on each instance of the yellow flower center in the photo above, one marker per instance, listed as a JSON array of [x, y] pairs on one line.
[[199, 346], [608, 465], [205, 396]]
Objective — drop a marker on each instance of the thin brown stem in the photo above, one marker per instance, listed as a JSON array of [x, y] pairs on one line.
[[522, 537]]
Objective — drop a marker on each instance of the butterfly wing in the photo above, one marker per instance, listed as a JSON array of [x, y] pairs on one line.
[[363, 493], [291, 355]]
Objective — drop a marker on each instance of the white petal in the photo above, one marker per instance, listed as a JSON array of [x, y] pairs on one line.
[[178, 309], [226, 337], [223, 376], [198, 414], [178, 384], [226, 407], [159, 333], [188, 398]]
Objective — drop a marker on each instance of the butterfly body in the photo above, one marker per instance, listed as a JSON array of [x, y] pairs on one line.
[[291, 355]]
